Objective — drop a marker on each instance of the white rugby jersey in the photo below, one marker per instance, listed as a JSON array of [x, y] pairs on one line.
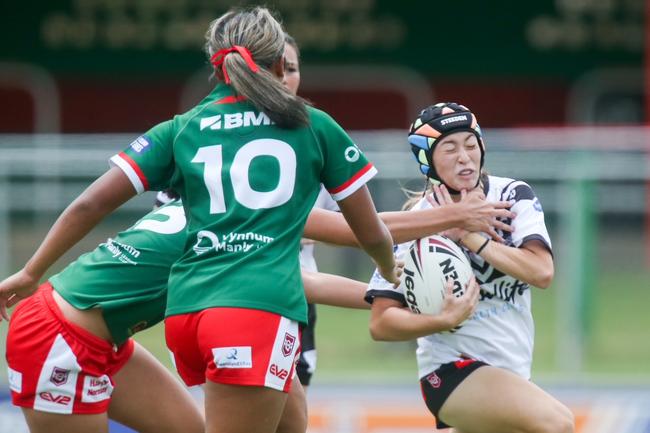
[[323, 201], [501, 330]]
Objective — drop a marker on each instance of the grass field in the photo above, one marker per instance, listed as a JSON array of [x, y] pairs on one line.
[[618, 345]]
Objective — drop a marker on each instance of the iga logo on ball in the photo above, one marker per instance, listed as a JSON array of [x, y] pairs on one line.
[[427, 265]]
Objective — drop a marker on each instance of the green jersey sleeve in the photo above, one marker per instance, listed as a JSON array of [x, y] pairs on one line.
[[148, 162], [345, 167]]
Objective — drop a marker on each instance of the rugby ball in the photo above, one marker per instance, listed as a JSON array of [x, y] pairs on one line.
[[427, 265]]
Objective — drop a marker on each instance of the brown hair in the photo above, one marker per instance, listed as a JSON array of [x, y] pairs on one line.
[[258, 31]]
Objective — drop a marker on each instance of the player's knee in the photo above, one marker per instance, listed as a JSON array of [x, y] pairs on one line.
[[561, 420]]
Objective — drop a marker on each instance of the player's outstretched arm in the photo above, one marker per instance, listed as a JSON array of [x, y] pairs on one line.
[[391, 321], [102, 197], [334, 290], [472, 213], [373, 236]]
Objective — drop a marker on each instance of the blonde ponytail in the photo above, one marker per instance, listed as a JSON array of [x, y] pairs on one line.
[[263, 37]]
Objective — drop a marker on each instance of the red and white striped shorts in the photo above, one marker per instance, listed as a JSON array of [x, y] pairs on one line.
[[56, 366], [237, 346]]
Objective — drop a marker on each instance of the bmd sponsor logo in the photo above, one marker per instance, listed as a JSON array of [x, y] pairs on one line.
[[235, 120]]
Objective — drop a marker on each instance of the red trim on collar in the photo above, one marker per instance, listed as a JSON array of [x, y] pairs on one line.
[[231, 99]]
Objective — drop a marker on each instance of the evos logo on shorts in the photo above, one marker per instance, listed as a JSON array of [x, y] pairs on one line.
[[279, 372], [58, 399]]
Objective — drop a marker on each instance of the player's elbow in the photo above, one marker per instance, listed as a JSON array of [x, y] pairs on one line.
[[377, 331], [380, 332], [544, 277]]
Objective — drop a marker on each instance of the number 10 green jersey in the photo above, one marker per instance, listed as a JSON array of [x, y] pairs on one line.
[[247, 188]]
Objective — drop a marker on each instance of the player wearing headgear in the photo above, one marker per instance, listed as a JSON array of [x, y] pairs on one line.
[[476, 378], [248, 162]]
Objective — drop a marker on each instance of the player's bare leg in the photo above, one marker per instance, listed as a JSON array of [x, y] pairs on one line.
[[44, 422], [493, 400], [148, 398], [242, 409], [294, 417]]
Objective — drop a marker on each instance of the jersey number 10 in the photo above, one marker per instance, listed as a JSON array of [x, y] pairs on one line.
[[212, 158]]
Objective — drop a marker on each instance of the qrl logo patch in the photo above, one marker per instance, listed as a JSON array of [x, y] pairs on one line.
[[434, 380], [59, 376], [287, 345]]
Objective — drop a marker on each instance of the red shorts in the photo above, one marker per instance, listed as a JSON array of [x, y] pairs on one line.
[[56, 366], [236, 346]]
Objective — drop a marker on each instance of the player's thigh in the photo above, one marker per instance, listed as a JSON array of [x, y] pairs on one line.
[[242, 409], [494, 400], [148, 398], [294, 416], [44, 422]]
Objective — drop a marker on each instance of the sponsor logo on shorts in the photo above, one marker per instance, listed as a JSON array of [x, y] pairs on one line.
[[96, 389], [56, 398], [279, 372], [59, 376], [287, 344], [233, 357], [15, 380], [434, 380], [141, 144]]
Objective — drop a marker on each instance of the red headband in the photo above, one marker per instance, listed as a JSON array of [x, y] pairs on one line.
[[218, 58]]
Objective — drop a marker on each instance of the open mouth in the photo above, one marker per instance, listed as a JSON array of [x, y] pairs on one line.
[[466, 172]]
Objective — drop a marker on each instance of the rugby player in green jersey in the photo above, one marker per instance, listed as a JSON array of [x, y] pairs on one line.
[[248, 162], [76, 329]]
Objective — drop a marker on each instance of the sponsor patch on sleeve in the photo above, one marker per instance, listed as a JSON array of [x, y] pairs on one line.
[[141, 144]]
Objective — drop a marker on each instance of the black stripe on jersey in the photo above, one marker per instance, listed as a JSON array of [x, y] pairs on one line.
[[536, 237], [372, 294], [518, 193]]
